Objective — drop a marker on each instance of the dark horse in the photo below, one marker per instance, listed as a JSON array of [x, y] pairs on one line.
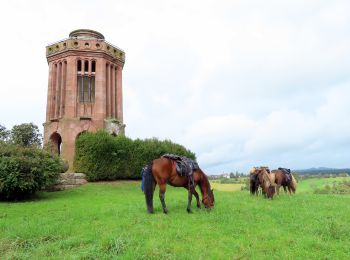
[[162, 172], [282, 180], [259, 176]]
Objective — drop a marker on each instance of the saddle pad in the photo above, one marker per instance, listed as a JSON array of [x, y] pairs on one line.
[[184, 166]]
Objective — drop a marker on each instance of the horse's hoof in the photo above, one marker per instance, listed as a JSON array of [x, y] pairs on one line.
[[150, 211], [198, 206], [165, 211], [189, 211]]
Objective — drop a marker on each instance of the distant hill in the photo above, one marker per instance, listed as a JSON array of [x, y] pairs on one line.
[[322, 170]]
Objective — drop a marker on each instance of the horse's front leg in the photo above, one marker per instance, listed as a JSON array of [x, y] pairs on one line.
[[197, 198], [162, 189], [278, 188]]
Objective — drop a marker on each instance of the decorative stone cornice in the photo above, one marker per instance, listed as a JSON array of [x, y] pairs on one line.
[[87, 45]]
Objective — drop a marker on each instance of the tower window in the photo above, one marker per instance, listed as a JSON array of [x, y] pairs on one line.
[[93, 66], [86, 87], [86, 66], [79, 66]]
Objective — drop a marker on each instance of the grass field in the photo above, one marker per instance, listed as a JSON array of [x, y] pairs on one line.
[[109, 220]]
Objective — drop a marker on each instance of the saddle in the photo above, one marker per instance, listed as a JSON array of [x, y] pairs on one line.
[[184, 167], [287, 173]]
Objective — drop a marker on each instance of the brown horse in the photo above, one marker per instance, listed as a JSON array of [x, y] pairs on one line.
[[163, 172], [259, 176], [282, 180]]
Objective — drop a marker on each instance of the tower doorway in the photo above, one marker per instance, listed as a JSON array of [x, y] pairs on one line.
[[55, 143]]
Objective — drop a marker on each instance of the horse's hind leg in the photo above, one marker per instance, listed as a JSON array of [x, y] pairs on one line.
[[162, 189]]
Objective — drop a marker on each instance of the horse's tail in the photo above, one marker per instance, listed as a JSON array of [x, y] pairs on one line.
[[149, 185], [293, 184]]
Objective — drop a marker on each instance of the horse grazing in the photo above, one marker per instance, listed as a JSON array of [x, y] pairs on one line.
[[260, 176], [254, 181], [281, 179], [162, 171]]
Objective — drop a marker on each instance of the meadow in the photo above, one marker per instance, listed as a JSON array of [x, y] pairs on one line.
[[109, 220]]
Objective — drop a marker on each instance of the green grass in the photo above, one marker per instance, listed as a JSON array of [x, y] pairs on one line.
[[109, 220]]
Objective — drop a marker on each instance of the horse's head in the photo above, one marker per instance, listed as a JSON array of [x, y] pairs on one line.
[[271, 191], [209, 199]]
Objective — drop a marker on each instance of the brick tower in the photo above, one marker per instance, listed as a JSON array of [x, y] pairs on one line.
[[84, 90]]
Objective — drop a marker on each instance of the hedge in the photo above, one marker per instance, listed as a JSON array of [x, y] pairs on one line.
[[25, 170], [102, 156]]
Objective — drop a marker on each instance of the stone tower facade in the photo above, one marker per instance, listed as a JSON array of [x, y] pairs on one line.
[[84, 90]]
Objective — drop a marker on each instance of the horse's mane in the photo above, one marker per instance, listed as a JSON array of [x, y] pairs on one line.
[[203, 180], [265, 176]]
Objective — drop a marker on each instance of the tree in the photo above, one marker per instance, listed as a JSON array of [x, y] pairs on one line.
[[26, 135], [4, 133]]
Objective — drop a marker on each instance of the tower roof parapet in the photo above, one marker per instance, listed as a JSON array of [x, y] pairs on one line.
[[85, 41], [86, 34]]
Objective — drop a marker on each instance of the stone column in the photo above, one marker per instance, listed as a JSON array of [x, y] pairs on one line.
[[107, 90], [71, 88], [58, 89], [111, 90], [53, 96], [99, 111], [119, 94], [63, 88], [116, 93], [49, 92]]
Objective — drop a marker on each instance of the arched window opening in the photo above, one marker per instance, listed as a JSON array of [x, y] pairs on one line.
[[79, 66], [86, 66], [55, 143], [86, 86], [86, 83], [80, 134], [93, 66]]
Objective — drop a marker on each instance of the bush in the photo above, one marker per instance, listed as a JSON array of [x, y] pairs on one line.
[[23, 171], [104, 157]]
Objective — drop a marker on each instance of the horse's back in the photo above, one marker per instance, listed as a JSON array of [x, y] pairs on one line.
[[161, 166]]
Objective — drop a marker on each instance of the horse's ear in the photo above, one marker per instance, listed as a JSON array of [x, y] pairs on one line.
[[212, 190]]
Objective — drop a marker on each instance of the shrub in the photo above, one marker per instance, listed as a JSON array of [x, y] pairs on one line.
[[23, 171], [104, 157]]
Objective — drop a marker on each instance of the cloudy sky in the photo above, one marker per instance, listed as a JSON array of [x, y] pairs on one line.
[[240, 83]]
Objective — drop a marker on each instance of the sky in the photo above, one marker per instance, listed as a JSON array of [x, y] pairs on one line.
[[240, 83]]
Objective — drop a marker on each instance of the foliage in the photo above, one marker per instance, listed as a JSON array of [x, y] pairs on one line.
[[104, 157], [26, 135], [4, 133], [110, 221], [25, 170]]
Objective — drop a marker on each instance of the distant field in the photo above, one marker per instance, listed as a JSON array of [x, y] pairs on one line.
[[309, 185], [109, 220], [226, 187]]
